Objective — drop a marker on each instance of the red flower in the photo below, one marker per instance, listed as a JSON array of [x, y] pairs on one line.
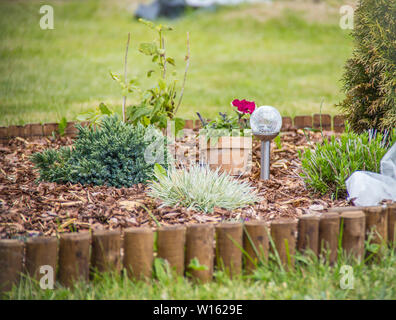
[[244, 106]]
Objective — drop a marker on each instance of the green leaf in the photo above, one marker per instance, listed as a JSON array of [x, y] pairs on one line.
[[115, 77], [148, 48], [195, 265], [139, 112], [147, 23], [84, 116], [162, 84], [159, 171], [163, 121], [62, 126], [179, 124], [149, 73], [104, 109], [170, 61]]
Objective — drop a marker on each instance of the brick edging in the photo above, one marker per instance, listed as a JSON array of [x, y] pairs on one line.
[[337, 123]]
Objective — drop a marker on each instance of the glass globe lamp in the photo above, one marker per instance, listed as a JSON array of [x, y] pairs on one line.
[[265, 123]]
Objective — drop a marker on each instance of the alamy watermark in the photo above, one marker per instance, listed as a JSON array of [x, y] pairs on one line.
[[47, 20], [347, 280], [47, 280], [347, 15]]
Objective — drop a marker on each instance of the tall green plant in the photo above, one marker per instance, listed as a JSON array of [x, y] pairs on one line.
[[159, 103], [369, 79]]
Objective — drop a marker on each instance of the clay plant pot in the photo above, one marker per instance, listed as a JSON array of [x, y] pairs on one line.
[[230, 154]]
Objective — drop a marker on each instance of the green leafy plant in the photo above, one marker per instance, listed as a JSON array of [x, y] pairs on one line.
[[278, 142], [95, 117], [226, 125], [159, 103], [330, 163], [369, 78], [62, 126], [201, 189], [114, 153]]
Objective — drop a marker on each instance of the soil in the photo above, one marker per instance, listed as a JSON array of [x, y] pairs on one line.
[[31, 208]]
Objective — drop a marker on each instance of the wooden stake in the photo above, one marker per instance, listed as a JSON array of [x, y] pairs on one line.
[[106, 250], [74, 257], [377, 224], [392, 223], [255, 243], [171, 241], [308, 233], [41, 251], [199, 245], [354, 224], [11, 263], [283, 234], [228, 247], [329, 230], [125, 78], [138, 252]]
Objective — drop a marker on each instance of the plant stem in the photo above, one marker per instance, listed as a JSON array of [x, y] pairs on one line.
[[125, 78], [185, 72], [164, 70]]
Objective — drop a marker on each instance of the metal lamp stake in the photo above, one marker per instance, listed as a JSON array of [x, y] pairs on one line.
[[265, 160], [266, 123]]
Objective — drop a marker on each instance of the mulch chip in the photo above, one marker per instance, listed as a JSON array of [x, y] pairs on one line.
[[30, 208]]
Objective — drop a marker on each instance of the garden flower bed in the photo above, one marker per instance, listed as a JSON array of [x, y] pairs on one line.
[[28, 208]]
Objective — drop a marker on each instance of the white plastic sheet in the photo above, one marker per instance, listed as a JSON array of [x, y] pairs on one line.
[[369, 188]]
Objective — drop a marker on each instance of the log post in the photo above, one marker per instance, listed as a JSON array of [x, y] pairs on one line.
[[329, 230], [199, 245], [377, 224], [255, 243], [283, 234], [106, 250], [171, 241], [228, 247], [353, 235], [41, 251], [74, 257], [138, 252], [308, 233], [11, 263], [392, 223]]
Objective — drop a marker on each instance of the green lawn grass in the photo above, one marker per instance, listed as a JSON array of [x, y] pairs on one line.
[[310, 279], [276, 56]]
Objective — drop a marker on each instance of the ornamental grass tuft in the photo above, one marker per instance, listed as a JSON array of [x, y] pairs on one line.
[[201, 189]]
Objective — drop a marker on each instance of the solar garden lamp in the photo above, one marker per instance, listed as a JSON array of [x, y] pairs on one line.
[[266, 123]]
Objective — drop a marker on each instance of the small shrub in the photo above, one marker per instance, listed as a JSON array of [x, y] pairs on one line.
[[201, 189], [113, 154], [330, 163], [369, 78]]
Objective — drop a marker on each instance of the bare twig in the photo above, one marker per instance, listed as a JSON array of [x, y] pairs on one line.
[[125, 78], [163, 47], [185, 72]]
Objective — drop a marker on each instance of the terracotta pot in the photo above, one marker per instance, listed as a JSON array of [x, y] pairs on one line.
[[231, 154]]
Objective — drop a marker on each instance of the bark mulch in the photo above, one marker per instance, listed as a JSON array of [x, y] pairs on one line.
[[31, 208]]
